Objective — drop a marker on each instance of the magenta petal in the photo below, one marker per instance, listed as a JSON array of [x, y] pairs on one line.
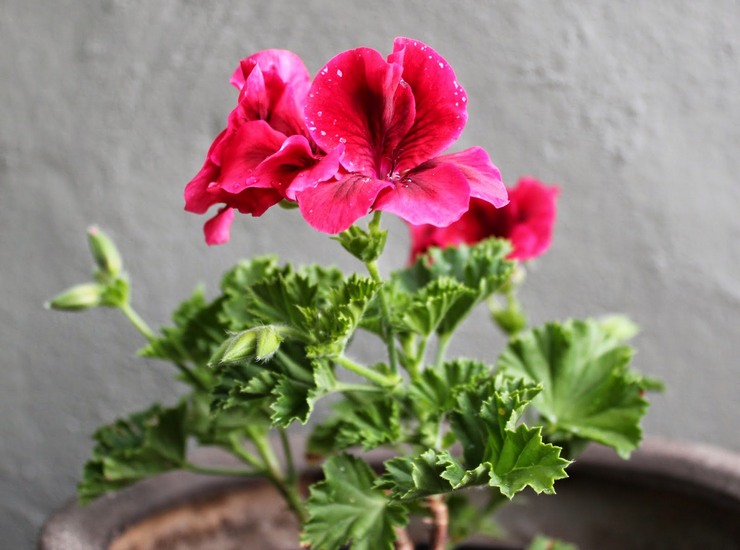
[[252, 143], [273, 85], [358, 99], [197, 197], [283, 63], [436, 195], [483, 177], [441, 103], [334, 206], [218, 229]]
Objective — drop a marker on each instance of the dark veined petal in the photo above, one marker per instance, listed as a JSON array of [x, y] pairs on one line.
[[358, 99], [334, 206], [441, 103], [436, 195]]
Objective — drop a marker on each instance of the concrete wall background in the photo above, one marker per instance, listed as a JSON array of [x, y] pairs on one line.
[[108, 106]]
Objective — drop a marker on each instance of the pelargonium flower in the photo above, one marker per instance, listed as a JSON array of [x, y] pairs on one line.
[[388, 120], [527, 221], [264, 147]]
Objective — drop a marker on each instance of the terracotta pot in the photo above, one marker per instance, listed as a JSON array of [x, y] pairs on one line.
[[669, 495]]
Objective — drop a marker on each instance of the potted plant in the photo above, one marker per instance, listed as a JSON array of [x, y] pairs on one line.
[[366, 136]]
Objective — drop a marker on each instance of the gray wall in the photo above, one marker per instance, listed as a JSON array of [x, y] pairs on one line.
[[107, 108]]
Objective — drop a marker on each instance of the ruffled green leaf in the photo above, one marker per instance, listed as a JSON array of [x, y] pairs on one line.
[[482, 269], [196, 334], [366, 246], [142, 445], [346, 509], [367, 420], [588, 391], [496, 451], [429, 307]]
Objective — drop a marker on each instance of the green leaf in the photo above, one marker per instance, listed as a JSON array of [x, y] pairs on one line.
[[495, 451], [546, 543], [366, 246], [588, 391], [347, 509], [196, 335], [329, 325], [144, 444], [295, 400], [435, 391], [525, 461], [369, 420], [431, 304], [482, 269]]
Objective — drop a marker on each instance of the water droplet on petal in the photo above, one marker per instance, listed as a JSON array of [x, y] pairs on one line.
[[323, 133], [339, 73]]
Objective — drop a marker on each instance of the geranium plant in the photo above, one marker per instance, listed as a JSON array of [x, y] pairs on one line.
[[368, 135]]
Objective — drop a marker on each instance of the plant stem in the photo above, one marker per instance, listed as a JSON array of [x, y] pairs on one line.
[[288, 488], [403, 539], [443, 341], [288, 452], [440, 522], [365, 372], [138, 322], [388, 334], [190, 467], [142, 326], [240, 452]]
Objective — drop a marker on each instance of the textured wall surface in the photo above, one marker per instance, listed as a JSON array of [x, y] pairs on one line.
[[108, 106]]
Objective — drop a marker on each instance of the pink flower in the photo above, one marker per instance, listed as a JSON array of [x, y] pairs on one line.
[[527, 221], [387, 121], [264, 147]]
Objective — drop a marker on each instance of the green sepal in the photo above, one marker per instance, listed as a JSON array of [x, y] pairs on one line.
[[347, 509], [588, 393], [142, 445]]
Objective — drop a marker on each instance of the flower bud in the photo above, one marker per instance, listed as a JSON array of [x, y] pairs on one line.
[[77, 298], [105, 253], [268, 342], [240, 347]]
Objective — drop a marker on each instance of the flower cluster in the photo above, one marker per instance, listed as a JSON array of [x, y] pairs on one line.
[[366, 134]]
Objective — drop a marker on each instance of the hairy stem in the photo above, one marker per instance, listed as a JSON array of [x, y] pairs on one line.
[[149, 334], [440, 522], [365, 372], [196, 468], [403, 539], [443, 343], [288, 488]]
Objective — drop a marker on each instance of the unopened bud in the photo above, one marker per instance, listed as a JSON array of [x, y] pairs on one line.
[[268, 342], [105, 253], [78, 298], [240, 347]]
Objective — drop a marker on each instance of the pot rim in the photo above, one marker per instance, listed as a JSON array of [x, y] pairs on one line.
[[705, 470]]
